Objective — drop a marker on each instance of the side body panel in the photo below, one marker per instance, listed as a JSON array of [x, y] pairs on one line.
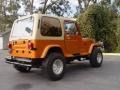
[[41, 47], [87, 46]]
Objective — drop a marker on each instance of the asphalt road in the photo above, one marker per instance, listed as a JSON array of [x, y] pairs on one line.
[[79, 76]]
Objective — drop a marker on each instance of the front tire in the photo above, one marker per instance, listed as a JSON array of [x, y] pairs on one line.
[[54, 66], [22, 69], [96, 58]]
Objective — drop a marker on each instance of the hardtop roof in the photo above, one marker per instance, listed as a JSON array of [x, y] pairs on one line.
[[37, 14]]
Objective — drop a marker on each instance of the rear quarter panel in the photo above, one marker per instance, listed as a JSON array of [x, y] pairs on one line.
[[20, 49]]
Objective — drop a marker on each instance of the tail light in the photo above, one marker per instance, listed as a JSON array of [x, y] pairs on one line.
[[30, 46], [10, 46]]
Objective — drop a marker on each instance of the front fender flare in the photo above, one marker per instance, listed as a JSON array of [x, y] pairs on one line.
[[98, 45]]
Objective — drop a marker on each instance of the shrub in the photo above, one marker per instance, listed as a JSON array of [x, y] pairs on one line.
[[98, 22]]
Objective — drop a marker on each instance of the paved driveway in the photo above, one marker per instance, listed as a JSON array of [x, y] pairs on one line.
[[79, 76]]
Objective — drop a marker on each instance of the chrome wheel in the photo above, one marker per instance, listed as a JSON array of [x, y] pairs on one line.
[[58, 66], [96, 58], [99, 57]]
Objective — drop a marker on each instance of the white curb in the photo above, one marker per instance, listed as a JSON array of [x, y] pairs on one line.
[[111, 54]]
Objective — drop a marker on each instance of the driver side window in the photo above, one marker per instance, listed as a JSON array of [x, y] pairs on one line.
[[70, 28]]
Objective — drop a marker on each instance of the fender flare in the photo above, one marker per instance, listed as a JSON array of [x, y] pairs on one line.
[[95, 45], [47, 48]]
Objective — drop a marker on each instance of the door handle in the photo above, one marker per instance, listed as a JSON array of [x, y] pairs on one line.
[[68, 36]]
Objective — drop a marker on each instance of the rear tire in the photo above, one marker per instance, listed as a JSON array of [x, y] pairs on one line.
[[96, 58], [22, 68], [54, 66]]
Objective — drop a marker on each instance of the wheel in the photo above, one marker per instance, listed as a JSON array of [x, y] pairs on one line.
[[96, 58], [22, 68], [54, 66]]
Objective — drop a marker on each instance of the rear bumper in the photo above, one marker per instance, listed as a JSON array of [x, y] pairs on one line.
[[27, 63]]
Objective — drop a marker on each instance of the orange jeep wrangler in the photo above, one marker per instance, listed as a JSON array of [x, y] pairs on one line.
[[50, 42]]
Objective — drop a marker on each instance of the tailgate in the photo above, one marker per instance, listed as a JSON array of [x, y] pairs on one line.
[[20, 49]]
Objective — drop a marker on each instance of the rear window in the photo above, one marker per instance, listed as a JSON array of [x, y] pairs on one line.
[[50, 27], [23, 28]]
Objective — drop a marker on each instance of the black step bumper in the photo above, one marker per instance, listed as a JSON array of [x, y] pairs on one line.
[[27, 63]]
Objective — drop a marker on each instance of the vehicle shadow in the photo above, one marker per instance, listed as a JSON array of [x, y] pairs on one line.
[[77, 66], [78, 70], [72, 70], [22, 86]]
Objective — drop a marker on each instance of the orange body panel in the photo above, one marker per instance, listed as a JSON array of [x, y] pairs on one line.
[[20, 48], [41, 47]]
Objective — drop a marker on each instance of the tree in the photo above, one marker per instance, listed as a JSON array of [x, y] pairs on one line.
[[117, 2], [118, 34], [57, 7], [8, 13], [84, 4], [98, 22], [116, 5]]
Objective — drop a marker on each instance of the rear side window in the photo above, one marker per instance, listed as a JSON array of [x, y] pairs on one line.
[[50, 27]]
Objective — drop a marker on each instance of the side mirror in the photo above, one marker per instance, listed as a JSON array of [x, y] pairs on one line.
[[84, 36]]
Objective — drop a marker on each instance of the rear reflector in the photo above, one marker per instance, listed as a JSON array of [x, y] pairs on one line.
[[30, 46], [9, 45]]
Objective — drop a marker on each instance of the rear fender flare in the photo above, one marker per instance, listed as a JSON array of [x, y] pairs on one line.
[[47, 48]]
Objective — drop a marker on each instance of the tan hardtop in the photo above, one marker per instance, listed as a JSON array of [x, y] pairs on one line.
[[41, 15], [60, 18]]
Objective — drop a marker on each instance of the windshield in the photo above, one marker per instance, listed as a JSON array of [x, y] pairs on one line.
[[23, 28]]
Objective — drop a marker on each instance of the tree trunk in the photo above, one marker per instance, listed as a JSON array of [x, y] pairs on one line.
[[80, 6], [31, 7], [44, 8], [86, 3], [94, 1]]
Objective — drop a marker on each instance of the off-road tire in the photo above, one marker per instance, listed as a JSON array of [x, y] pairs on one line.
[[48, 66], [22, 68], [94, 61]]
